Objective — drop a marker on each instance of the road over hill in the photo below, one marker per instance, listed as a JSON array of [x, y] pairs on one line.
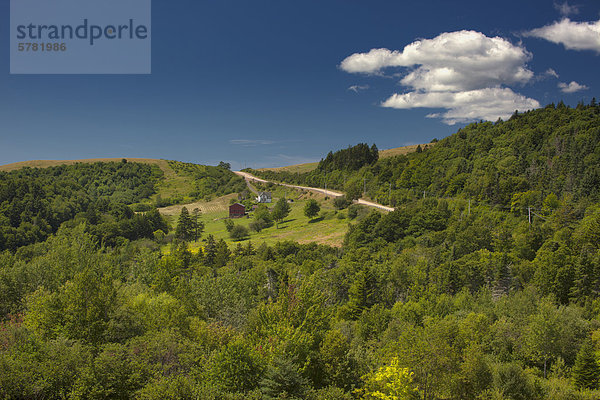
[[250, 177]]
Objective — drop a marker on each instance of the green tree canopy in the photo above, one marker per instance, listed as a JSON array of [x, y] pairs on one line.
[[281, 210], [311, 208]]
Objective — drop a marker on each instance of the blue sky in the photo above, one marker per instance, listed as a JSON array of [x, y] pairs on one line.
[[272, 83]]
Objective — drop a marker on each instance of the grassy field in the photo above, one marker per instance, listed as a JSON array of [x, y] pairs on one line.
[[328, 229], [301, 168], [174, 185], [218, 205]]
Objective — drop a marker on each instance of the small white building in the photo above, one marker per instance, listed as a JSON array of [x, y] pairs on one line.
[[264, 197]]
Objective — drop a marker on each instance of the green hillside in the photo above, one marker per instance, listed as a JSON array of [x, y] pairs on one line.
[[483, 284], [35, 202], [551, 150]]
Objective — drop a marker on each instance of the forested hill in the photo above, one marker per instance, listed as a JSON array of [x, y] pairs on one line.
[[460, 294], [555, 149], [35, 202]]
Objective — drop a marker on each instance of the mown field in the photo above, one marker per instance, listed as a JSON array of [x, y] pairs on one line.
[[329, 228]]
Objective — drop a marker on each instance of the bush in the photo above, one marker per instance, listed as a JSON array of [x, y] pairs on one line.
[[228, 225], [353, 211], [142, 207], [262, 213], [239, 232], [341, 202], [258, 225]]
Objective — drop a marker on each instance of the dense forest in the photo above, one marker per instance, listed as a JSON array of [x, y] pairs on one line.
[[34, 202], [352, 158], [555, 149], [460, 293]]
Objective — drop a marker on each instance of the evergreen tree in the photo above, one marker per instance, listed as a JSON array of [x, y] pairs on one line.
[[361, 294], [586, 371], [228, 224], [222, 254], [282, 378], [210, 251], [197, 225], [249, 250], [185, 226]]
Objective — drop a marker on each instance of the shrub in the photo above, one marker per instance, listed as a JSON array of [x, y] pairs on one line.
[[239, 232]]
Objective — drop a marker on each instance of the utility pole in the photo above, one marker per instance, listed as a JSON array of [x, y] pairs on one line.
[[364, 186], [469, 206], [529, 215], [390, 194]]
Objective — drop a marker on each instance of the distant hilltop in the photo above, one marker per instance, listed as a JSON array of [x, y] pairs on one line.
[[300, 168]]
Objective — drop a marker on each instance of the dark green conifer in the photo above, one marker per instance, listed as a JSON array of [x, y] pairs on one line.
[[586, 371]]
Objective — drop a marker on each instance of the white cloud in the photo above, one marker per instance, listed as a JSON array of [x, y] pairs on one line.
[[463, 72], [487, 104], [552, 73], [462, 60], [358, 88], [571, 87], [573, 35], [565, 9]]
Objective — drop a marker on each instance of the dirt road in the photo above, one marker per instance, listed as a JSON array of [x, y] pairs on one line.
[[250, 177]]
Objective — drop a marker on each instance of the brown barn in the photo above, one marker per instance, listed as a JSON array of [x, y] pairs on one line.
[[237, 210]]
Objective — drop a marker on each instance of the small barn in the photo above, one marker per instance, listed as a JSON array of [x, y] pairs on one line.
[[237, 210], [264, 197]]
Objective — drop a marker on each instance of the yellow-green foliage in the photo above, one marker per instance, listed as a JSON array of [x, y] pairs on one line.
[[390, 382]]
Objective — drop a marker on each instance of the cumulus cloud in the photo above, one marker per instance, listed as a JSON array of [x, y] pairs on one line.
[[573, 35], [566, 9], [462, 72], [487, 104], [462, 60], [358, 88], [571, 87]]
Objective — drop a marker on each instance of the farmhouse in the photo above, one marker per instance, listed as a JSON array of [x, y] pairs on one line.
[[264, 197], [237, 210]]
